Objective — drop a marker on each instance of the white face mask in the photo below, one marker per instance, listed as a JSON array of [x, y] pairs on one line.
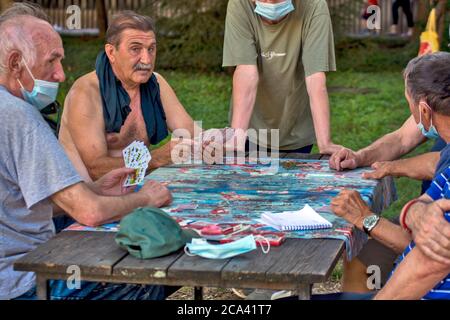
[[274, 11], [201, 247], [43, 93]]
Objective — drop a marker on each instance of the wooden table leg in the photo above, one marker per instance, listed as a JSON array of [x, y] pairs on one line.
[[198, 293], [42, 287], [304, 291]]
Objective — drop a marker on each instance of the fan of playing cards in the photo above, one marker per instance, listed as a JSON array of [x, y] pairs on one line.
[[136, 156]]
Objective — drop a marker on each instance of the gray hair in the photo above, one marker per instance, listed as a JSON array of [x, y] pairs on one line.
[[428, 78], [15, 34], [127, 20], [24, 9]]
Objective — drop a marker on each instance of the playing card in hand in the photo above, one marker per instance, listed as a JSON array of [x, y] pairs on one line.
[[136, 156]]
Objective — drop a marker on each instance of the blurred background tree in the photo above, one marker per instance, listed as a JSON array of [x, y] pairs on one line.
[[441, 15], [190, 33], [102, 17], [5, 4]]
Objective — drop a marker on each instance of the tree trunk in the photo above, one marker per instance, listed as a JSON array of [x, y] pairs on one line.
[[422, 17], [4, 4], [102, 17], [441, 11]]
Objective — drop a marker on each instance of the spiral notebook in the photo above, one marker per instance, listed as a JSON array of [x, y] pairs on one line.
[[304, 219]]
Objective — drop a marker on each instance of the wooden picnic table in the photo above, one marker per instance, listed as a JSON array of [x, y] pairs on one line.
[[295, 265]]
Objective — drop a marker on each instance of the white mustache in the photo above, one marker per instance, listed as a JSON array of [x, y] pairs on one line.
[[143, 66]]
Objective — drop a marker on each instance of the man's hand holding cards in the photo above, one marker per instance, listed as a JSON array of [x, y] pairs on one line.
[[136, 156]]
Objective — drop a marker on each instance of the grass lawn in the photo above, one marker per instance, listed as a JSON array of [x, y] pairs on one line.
[[364, 104]]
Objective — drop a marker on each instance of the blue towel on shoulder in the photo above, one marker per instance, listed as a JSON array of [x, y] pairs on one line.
[[116, 102]]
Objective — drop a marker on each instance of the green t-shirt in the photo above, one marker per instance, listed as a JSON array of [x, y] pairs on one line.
[[286, 53]]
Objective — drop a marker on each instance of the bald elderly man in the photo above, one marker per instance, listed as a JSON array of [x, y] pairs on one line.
[[36, 177]]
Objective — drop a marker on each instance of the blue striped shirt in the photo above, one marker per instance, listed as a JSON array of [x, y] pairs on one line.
[[440, 188]]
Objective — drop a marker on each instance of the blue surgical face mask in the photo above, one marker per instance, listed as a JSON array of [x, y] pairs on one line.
[[201, 247], [274, 11], [431, 133], [43, 93]]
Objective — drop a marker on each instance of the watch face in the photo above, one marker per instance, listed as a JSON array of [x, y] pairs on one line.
[[370, 221]]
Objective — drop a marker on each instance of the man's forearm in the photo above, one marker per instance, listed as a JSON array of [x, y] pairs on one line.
[[320, 107], [91, 209], [386, 148], [99, 210], [114, 208], [245, 86], [389, 234], [160, 156], [413, 278], [391, 146], [422, 167]]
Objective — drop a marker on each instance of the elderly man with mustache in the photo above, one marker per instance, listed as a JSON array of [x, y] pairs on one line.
[[121, 101]]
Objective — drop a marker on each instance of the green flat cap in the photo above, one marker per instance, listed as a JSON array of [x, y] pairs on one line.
[[150, 232]]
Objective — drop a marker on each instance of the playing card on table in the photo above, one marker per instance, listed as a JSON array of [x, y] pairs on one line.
[[136, 156]]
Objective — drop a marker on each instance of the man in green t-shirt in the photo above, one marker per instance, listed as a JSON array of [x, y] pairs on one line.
[[281, 51]]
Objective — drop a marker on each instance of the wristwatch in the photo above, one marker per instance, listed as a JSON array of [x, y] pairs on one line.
[[370, 222]]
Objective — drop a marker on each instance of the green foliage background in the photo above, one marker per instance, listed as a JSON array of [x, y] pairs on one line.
[[190, 37]]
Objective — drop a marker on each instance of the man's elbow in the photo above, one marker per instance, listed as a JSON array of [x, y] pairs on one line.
[[90, 213], [96, 170], [95, 175], [408, 140]]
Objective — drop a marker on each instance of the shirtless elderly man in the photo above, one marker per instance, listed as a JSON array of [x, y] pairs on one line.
[[121, 101]]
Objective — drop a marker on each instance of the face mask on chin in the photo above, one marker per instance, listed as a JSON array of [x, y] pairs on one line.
[[274, 11], [43, 94]]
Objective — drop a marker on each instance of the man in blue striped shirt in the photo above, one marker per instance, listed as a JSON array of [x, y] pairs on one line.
[[422, 270]]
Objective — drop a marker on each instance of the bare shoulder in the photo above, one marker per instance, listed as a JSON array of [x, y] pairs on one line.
[[84, 95], [87, 84], [161, 80], [166, 89]]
